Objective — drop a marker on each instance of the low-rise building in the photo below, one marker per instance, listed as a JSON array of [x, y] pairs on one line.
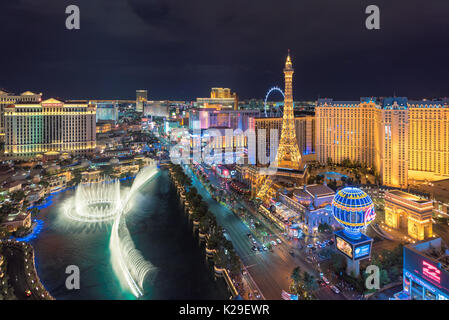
[[312, 204], [14, 221], [57, 183], [35, 195], [91, 176], [12, 186], [426, 271], [129, 168]]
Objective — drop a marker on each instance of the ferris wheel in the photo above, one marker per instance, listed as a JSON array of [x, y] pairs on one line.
[[274, 89]]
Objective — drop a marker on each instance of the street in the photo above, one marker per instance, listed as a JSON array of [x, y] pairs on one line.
[[16, 272], [270, 270]]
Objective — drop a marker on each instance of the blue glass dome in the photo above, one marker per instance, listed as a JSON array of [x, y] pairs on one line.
[[353, 209]]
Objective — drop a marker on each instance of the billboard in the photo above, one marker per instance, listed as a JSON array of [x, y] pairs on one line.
[[362, 251], [344, 247]]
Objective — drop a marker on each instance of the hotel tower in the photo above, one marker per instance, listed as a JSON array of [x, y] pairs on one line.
[[402, 139], [49, 127]]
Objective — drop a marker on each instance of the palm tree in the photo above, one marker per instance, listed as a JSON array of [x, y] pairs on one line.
[[309, 282], [296, 275]]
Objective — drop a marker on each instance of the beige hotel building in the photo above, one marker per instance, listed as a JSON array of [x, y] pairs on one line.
[[7, 98], [49, 127], [400, 138]]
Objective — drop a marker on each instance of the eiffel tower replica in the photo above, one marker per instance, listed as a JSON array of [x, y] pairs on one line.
[[288, 157]]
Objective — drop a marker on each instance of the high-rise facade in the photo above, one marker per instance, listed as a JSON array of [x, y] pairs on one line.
[[9, 98], [402, 139], [141, 99], [106, 110], [50, 126], [220, 98]]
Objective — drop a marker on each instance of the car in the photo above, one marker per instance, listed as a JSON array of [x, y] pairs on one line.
[[28, 293], [249, 235], [310, 245], [325, 280], [335, 289], [279, 240], [260, 248], [292, 252], [331, 242], [320, 283], [273, 243], [254, 248], [257, 294], [264, 248]]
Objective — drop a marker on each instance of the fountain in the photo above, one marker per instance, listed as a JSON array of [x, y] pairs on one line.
[[128, 263], [95, 202], [103, 202]]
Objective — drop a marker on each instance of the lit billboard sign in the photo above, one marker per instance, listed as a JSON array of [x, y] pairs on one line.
[[362, 251], [431, 272], [344, 247]]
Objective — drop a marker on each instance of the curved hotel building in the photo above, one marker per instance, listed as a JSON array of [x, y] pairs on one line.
[[401, 138]]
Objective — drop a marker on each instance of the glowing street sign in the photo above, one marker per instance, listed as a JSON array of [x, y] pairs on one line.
[[431, 272]]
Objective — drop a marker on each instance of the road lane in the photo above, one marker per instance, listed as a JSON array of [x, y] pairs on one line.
[[270, 270]]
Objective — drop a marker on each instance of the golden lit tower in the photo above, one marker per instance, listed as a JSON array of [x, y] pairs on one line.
[[288, 155]]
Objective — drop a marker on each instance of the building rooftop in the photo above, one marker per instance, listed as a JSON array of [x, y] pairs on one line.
[[319, 190], [387, 103], [285, 212], [408, 196], [301, 194], [434, 249]]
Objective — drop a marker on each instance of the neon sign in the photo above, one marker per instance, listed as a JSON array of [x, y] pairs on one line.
[[431, 272], [370, 215]]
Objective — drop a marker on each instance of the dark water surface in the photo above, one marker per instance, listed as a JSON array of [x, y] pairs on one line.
[[160, 230]]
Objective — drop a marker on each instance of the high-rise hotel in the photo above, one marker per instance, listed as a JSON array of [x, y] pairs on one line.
[[402, 139], [49, 127], [7, 98]]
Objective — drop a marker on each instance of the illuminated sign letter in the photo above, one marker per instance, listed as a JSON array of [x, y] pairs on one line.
[[431, 272]]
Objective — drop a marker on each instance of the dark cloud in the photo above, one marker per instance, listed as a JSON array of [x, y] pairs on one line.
[[179, 49]]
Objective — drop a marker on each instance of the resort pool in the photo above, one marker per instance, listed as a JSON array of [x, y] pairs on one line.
[[330, 175]]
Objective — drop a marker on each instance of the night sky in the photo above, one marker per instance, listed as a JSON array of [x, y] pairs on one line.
[[179, 49]]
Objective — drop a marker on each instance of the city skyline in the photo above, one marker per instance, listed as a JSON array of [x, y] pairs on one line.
[[176, 51], [197, 151]]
